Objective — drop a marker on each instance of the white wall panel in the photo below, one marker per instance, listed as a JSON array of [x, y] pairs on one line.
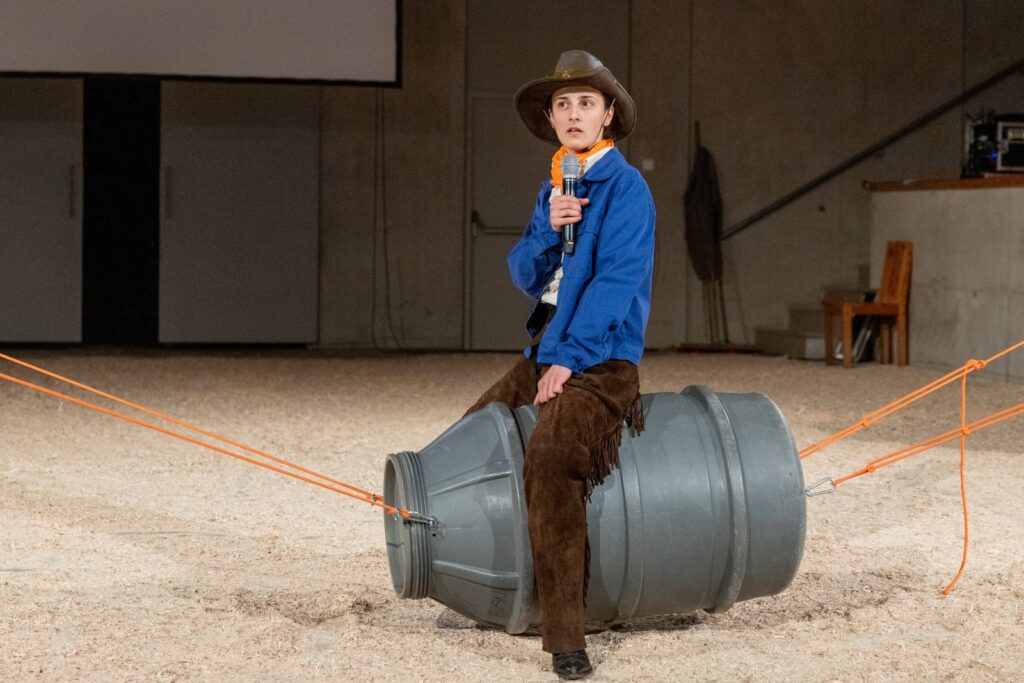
[[313, 39], [239, 213], [40, 210]]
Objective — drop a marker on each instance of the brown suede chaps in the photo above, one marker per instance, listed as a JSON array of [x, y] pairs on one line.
[[574, 446]]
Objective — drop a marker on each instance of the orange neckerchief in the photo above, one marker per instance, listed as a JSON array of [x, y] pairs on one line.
[[556, 161]]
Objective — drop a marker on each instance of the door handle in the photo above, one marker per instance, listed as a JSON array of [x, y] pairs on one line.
[[479, 226]]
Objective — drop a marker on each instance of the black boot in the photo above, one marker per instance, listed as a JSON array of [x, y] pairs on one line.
[[571, 665]]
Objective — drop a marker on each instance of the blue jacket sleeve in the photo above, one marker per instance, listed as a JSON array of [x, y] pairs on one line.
[[623, 266], [535, 257]]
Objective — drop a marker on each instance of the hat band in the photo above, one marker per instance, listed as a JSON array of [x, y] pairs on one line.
[[570, 73]]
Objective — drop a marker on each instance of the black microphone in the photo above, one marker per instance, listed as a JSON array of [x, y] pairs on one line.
[[570, 174]]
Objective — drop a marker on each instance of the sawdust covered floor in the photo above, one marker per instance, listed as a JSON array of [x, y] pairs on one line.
[[127, 555]]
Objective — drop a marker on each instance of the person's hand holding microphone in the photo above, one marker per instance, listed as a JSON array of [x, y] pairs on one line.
[[566, 209], [566, 212]]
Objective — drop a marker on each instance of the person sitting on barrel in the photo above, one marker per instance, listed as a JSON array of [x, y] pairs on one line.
[[587, 330]]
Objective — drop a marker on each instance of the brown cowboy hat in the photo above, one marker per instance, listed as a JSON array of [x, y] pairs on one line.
[[575, 67]]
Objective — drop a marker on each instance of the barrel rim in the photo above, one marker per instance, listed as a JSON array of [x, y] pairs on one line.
[[408, 546]]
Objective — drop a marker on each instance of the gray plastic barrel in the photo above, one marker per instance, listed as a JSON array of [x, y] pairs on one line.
[[706, 508]]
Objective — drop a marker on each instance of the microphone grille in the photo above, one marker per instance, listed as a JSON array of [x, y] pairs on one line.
[[570, 166]]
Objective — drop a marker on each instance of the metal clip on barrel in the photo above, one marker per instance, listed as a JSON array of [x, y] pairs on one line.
[[816, 490]]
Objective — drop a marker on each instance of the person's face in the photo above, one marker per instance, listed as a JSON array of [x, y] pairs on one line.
[[579, 117]]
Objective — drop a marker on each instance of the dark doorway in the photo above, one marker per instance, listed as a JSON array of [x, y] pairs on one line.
[[121, 226]]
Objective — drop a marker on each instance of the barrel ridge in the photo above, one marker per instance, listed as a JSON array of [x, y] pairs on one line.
[[736, 566], [778, 504]]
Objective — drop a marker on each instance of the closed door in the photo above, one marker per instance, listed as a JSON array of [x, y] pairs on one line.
[[508, 169], [239, 213], [40, 210], [506, 164]]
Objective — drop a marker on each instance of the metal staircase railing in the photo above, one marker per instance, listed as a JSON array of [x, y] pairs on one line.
[[881, 144]]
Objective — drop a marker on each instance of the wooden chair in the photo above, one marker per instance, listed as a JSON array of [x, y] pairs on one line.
[[890, 305]]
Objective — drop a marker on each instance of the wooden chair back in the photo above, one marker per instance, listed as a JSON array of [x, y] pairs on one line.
[[899, 259]]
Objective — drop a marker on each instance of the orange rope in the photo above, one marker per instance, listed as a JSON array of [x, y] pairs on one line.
[[963, 485], [962, 433], [332, 485], [934, 441], [887, 410], [181, 423]]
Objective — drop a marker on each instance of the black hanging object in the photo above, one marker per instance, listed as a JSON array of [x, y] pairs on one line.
[[703, 213]]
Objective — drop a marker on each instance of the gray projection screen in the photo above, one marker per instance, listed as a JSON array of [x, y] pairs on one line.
[[305, 40]]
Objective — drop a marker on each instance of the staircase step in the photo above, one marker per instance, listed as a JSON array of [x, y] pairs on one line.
[[842, 293], [807, 318], [789, 343]]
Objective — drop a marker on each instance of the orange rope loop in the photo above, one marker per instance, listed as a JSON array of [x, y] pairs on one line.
[[965, 430], [324, 482]]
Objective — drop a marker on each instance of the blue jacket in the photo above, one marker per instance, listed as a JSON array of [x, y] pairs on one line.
[[604, 297]]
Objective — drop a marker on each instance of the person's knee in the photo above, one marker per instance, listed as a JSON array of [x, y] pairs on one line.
[[555, 466]]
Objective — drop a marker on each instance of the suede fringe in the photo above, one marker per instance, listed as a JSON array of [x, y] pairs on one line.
[[605, 456], [635, 417]]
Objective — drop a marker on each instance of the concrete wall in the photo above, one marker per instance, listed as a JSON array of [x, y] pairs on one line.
[[967, 298], [783, 91], [786, 92], [659, 78], [392, 195]]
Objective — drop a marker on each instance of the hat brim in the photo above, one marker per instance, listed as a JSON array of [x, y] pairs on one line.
[[532, 102]]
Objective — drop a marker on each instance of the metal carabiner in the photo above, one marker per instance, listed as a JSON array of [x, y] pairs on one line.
[[811, 491]]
